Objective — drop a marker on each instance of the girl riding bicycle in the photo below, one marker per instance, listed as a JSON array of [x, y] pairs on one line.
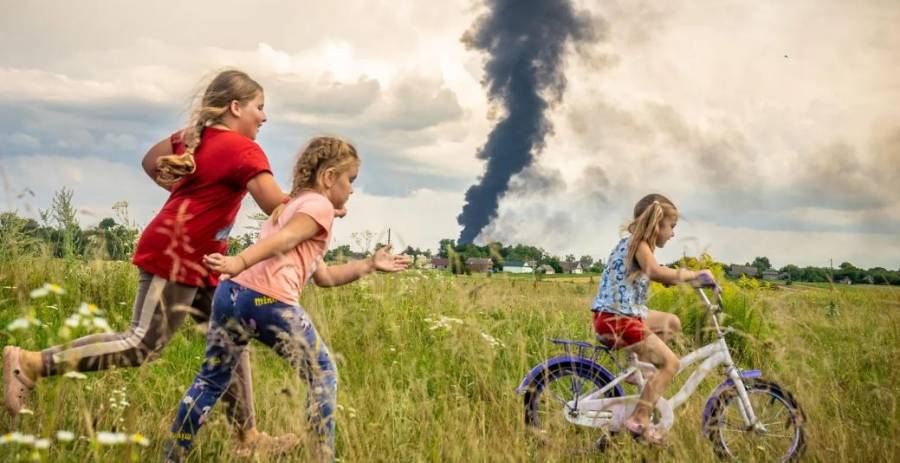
[[620, 317]]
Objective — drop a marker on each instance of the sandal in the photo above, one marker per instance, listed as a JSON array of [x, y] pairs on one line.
[[645, 432], [16, 385]]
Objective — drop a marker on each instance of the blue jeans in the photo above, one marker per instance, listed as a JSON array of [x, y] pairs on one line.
[[239, 315]]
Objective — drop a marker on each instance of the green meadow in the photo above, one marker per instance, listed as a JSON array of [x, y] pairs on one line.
[[428, 364]]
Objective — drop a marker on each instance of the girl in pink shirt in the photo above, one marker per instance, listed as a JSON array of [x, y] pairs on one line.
[[260, 300]]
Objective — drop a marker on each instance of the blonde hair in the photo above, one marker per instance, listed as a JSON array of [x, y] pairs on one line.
[[319, 155], [227, 86], [644, 227]]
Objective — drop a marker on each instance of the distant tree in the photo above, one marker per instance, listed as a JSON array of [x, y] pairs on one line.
[[793, 272], [444, 246], [762, 264], [586, 262], [341, 253], [68, 238]]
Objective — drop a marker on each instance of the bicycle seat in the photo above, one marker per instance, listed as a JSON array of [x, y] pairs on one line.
[[583, 344]]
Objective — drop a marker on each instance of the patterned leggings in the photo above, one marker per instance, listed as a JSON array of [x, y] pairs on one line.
[[240, 314]]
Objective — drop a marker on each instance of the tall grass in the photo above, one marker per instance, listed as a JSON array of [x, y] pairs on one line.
[[428, 364]]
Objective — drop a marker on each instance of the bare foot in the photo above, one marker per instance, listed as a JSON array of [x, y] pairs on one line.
[[645, 431]]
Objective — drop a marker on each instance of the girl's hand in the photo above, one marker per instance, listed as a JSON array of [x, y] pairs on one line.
[[228, 266], [386, 262], [705, 279]]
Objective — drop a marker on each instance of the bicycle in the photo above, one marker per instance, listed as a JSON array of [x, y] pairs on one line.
[[746, 417]]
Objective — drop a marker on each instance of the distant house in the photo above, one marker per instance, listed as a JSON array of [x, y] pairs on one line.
[[517, 266], [545, 269], [440, 263], [846, 281], [479, 264], [571, 267], [770, 275], [742, 270]]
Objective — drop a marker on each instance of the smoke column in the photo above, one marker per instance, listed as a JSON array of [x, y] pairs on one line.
[[525, 41]]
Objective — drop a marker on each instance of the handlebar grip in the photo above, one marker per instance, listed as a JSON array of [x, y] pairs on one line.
[[707, 281]]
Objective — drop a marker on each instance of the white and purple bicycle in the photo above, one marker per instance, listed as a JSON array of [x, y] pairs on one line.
[[747, 418]]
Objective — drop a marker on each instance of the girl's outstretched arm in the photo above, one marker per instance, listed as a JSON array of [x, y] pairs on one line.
[[665, 275], [266, 192], [300, 228], [163, 148], [383, 260]]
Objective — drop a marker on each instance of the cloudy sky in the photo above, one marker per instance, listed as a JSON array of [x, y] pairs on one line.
[[774, 126]]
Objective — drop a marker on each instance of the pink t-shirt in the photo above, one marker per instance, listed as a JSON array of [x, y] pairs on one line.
[[282, 277]]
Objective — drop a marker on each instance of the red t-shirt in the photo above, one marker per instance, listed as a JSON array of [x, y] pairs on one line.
[[201, 208]]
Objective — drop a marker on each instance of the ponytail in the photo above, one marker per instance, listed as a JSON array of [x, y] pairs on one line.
[[648, 213]]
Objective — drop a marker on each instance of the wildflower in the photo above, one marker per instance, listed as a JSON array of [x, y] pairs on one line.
[[65, 436], [23, 323], [102, 324], [139, 439], [443, 322], [111, 438], [17, 437], [75, 375], [88, 309], [494, 342], [42, 444], [47, 289]]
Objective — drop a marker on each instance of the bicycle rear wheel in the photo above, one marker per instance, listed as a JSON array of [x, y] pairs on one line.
[[557, 393], [779, 437]]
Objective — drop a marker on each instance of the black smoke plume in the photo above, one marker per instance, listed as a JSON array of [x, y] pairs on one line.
[[525, 41]]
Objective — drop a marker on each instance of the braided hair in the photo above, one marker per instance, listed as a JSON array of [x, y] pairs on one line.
[[320, 154], [226, 87]]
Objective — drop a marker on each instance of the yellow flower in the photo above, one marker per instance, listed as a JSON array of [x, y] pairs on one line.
[[47, 289], [139, 439], [88, 309], [54, 288]]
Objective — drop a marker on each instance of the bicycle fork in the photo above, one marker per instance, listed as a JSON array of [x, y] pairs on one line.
[[744, 405]]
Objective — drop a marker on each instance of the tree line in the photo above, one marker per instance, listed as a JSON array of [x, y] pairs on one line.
[[58, 233]]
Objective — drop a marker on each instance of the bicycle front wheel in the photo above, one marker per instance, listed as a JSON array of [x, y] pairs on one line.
[[778, 434]]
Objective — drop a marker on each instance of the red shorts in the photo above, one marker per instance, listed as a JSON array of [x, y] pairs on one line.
[[619, 330]]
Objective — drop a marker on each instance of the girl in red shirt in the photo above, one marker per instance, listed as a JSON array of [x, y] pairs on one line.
[[209, 167]]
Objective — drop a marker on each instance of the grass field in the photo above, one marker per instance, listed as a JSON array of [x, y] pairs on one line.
[[418, 387]]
